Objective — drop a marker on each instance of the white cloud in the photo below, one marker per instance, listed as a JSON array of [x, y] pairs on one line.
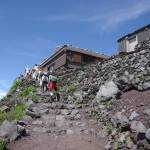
[[108, 18], [117, 17], [2, 94]]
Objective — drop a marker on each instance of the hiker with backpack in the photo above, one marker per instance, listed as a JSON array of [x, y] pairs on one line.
[[43, 81], [52, 87]]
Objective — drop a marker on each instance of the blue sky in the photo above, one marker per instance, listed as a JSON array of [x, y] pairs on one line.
[[31, 29]]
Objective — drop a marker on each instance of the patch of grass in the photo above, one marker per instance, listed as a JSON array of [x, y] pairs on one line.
[[35, 98], [19, 111], [26, 91], [3, 144], [16, 83], [108, 128], [71, 88], [16, 113]]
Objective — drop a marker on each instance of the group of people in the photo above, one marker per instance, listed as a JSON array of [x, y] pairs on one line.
[[47, 80]]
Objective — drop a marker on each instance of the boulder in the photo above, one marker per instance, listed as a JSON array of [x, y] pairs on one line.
[[107, 91], [33, 114], [9, 130], [138, 127], [133, 115], [120, 119]]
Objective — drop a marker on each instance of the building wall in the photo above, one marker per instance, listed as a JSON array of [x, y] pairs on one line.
[[122, 45], [58, 61], [141, 36], [61, 61]]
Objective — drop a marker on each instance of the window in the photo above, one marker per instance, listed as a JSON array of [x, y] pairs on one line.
[[132, 39], [87, 58]]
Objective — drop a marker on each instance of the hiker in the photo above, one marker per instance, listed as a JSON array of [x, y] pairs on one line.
[[43, 81], [36, 72], [27, 72], [52, 85]]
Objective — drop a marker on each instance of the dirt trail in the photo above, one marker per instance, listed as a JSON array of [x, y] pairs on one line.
[[62, 129]]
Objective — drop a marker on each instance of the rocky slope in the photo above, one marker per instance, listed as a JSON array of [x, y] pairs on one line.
[[115, 93]]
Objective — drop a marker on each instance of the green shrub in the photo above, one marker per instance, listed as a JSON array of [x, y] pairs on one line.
[[108, 128], [26, 91], [16, 113], [3, 144], [16, 83]]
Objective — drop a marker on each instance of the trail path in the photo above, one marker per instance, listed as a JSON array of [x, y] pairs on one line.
[[62, 127]]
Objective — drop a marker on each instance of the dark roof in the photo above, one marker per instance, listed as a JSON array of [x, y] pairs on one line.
[[75, 49], [132, 33]]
